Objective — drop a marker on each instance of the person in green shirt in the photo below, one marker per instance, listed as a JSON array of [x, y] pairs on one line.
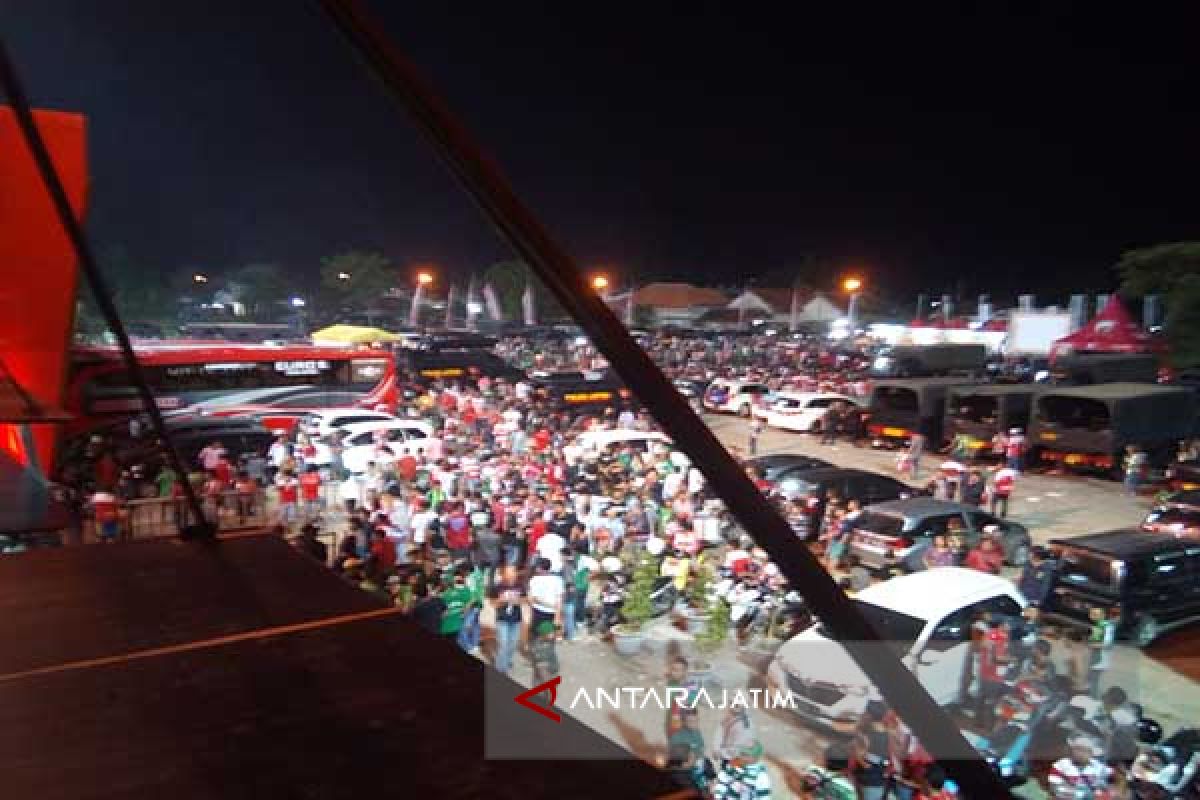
[[468, 637], [685, 752], [164, 481], [456, 597]]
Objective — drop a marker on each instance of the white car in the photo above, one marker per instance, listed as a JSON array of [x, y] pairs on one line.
[[322, 424], [801, 411], [393, 430], [734, 397], [926, 618], [597, 443]]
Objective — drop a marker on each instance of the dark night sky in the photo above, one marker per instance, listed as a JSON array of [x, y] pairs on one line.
[[1022, 150]]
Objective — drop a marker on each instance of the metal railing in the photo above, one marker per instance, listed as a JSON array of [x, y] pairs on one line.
[[155, 517]]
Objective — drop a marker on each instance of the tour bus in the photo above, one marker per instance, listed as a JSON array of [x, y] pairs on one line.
[[183, 374]]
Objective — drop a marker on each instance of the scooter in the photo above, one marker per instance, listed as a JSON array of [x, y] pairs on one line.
[[1170, 771]]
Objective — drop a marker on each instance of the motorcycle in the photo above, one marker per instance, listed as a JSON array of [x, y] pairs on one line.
[[1170, 771]]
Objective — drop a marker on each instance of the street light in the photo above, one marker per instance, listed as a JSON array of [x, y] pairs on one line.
[[600, 283], [424, 278], [852, 286], [343, 276], [298, 302], [200, 277]]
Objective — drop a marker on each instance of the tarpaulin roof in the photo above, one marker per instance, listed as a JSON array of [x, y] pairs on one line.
[[1112, 331], [353, 334]]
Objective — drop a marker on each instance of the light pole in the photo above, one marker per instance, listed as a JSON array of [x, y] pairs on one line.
[[199, 278], [343, 276], [852, 286], [601, 284]]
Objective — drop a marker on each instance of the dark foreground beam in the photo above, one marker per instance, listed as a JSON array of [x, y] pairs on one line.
[[258, 674]]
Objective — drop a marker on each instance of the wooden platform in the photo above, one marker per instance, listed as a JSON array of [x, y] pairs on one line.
[[243, 670]]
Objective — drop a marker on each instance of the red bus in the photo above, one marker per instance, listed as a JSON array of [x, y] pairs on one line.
[[183, 373]]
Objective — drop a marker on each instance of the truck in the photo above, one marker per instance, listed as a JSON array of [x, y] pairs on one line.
[[899, 408], [980, 412], [1087, 369], [916, 361], [1089, 427]]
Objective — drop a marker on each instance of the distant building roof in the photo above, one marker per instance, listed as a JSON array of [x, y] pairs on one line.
[[678, 295], [780, 300]]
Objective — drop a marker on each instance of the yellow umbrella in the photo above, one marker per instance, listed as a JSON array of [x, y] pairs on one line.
[[353, 334]]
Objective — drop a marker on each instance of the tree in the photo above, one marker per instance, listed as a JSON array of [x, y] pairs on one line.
[[261, 288], [357, 277], [136, 295], [1173, 271]]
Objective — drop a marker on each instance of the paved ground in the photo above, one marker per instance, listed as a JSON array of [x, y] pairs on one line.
[[1049, 505]]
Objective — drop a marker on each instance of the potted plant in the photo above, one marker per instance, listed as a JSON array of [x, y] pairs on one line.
[[638, 607], [697, 614], [711, 639]]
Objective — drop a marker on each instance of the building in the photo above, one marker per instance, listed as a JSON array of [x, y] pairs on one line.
[[671, 303], [774, 306]]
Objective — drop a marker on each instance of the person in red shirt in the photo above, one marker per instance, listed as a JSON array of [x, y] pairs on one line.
[[106, 510], [289, 495], [224, 471], [384, 549], [537, 529], [214, 493], [310, 491], [458, 532], [985, 556], [541, 440], [993, 664], [406, 468]]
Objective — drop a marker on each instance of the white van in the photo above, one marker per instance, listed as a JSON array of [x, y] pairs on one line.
[[735, 397], [926, 618]]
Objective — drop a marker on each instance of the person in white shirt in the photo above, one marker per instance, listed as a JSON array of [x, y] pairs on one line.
[[545, 595], [211, 456], [550, 547], [626, 419], [671, 484], [421, 519], [351, 491]]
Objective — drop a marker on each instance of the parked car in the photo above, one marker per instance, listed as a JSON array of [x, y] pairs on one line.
[[770, 467], [813, 485], [1150, 578], [801, 411], [1184, 475], [734, 397], [925, 618], [1179, 515], [897, 533], [278, 408], [322, 424]]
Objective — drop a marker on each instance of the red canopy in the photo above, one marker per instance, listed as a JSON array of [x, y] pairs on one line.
[[1112, 331]]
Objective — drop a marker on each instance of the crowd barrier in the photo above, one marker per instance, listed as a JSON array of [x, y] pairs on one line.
[[153, 517]]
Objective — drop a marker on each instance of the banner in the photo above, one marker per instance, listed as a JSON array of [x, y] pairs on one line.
[[527, 308], [629, 309], [450, 306], [414, 313], [493, 303], [794, 313], [472, 303]]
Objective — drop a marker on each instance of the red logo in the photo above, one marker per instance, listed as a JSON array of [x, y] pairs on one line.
[[525, 698]]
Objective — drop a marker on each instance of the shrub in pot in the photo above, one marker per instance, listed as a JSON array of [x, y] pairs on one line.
[[698, 613], [638, 607]]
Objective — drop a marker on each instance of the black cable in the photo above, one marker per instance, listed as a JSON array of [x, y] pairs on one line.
[[483, 181], [15, 92]]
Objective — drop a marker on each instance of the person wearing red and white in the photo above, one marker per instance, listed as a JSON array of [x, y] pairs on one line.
[[106, 510], [310, 491], [1004, 480], [1014, 449], [1080, 771], [289, 496]]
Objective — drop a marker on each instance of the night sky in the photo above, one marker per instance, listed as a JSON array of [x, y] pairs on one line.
[[1015, 151]]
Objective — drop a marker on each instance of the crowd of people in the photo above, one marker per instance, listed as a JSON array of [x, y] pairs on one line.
[[504, 517]]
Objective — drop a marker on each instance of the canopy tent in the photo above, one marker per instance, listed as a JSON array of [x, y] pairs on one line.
[[1112, 331], [353, 334]]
